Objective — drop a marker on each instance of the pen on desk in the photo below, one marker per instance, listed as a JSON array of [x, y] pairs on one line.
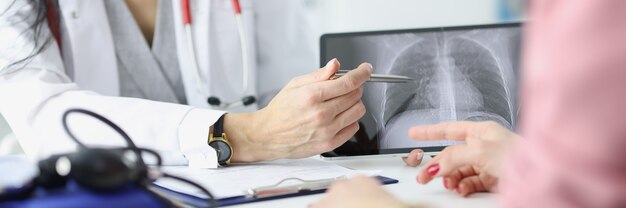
[[379, 77], [303, 186]]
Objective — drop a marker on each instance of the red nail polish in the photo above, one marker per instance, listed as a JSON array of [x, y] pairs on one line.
[[445, 184], [432, 170]]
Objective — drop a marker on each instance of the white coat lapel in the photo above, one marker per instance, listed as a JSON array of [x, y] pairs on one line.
[[92, 49]]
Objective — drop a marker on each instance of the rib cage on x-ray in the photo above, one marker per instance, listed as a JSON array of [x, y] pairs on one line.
[[462, 81], [479, 66], [456, 78], [459, 75]]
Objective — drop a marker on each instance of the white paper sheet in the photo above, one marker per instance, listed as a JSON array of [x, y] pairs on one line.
[[236, 180]]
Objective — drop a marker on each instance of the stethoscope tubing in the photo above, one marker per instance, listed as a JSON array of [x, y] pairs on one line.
[[200, 83]]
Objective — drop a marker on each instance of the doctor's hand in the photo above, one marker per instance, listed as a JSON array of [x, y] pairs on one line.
[[470, 167], [312, 114]]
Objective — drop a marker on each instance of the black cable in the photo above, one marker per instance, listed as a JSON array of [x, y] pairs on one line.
[[109, 123], [159, 161], [134, 148], [119, 130], [154, 153], [212, 201]]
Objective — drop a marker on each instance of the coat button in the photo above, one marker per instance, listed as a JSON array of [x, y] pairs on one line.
[[74, 15]]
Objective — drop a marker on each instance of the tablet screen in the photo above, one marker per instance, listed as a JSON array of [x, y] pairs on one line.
[[464, 73]]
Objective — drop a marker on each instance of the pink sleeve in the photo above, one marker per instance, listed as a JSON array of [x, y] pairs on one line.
[[574, 108]]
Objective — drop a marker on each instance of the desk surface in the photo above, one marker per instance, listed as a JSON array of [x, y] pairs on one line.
[[407, 189]]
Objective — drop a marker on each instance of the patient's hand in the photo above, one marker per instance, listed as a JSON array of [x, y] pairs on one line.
[[470, 179], [360, 191], [470, 167], [414, 158]]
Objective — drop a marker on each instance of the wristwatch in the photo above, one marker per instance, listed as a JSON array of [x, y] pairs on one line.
[[219, 141]]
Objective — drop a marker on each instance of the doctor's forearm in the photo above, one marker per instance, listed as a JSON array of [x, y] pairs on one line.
[[269, 135], [241, 130]]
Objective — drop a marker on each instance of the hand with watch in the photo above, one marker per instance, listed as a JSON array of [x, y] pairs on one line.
[[312, 114]]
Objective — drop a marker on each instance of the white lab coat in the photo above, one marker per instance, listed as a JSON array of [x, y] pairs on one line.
[[33, 98]]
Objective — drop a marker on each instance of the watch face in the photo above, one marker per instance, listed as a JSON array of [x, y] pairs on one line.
[[222, 149]]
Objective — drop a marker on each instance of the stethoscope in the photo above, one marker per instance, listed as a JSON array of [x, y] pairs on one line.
[[212, 100]]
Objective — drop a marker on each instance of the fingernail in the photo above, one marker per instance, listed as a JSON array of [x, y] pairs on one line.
[[371, 67], [445, 184], [419, 155], [458, 189], [433, 170], [330, 62]]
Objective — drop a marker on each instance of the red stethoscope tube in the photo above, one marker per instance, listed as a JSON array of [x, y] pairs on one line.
[[186, 8], [184, 4], [247, 99], [236, 7]]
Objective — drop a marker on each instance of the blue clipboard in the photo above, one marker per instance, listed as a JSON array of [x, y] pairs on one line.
[[200, 202], [73, 195]]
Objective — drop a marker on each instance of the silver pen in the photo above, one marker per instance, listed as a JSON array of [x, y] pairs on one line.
[[303, 186], [379, 77]]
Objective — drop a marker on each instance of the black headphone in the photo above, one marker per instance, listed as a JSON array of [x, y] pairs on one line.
[[104, 170]]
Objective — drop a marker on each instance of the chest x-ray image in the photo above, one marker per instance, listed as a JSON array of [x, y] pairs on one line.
[[460, 74]]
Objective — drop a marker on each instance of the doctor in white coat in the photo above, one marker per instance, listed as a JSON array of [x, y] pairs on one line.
[[41, 79]]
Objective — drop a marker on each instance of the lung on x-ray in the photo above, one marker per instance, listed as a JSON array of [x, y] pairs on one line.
[[467, 74]]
